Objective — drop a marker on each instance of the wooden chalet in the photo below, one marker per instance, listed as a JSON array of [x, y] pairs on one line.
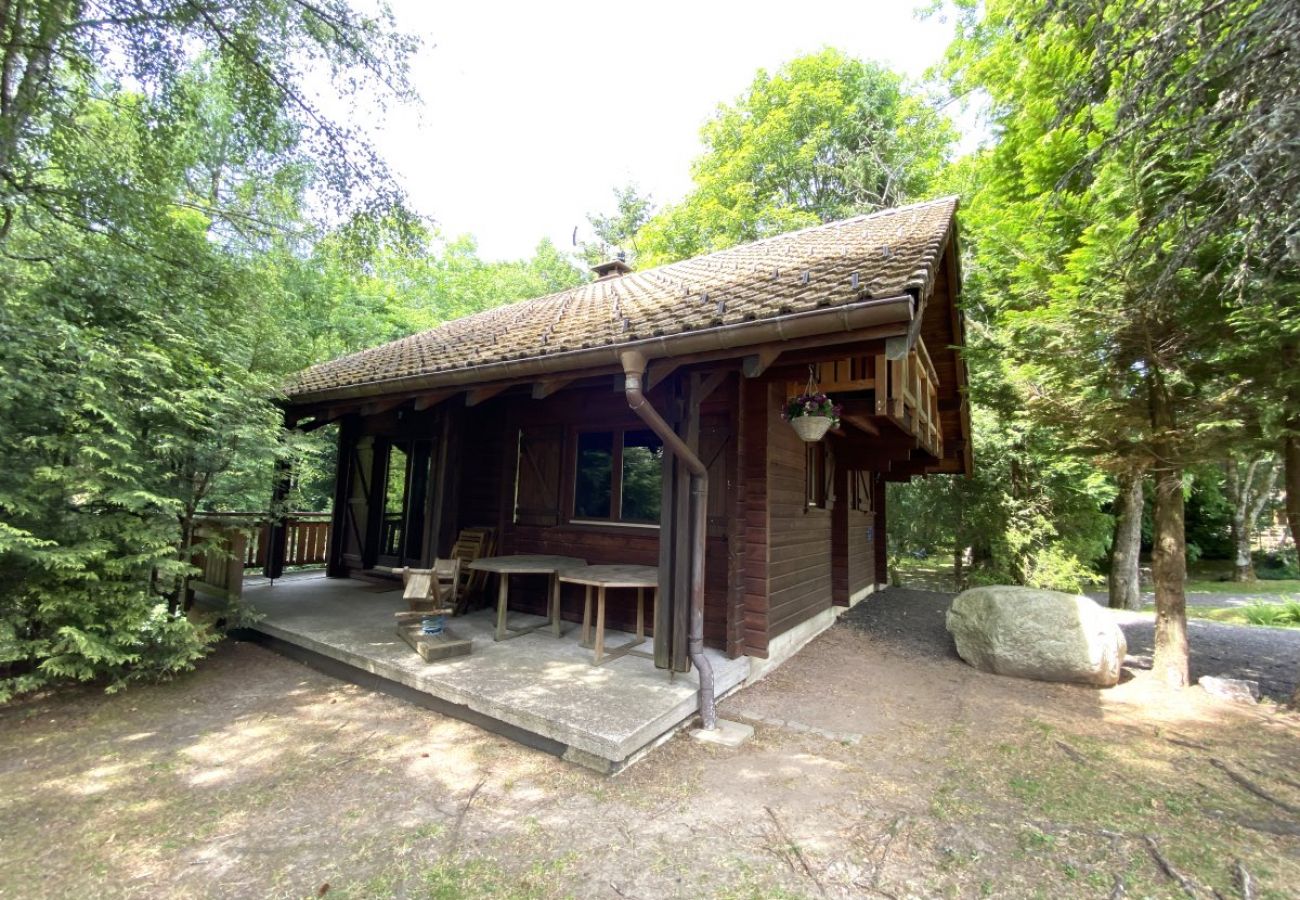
[[524, 419]]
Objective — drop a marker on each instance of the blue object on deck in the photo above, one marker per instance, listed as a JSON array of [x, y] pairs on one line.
[[431, 624]]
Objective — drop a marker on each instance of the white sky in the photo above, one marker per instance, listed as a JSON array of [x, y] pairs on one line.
[[532, 113]]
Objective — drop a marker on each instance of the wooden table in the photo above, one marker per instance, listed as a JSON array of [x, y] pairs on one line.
[[601, 578], [505, 566]]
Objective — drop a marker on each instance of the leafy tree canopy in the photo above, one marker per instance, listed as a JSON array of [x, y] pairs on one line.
[[824, 137]]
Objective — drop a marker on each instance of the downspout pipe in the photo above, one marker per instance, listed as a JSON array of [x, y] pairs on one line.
[[634, 364]]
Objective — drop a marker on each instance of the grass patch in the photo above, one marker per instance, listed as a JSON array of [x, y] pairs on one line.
[[1082, 809], [1272, 615], [1282, 586]]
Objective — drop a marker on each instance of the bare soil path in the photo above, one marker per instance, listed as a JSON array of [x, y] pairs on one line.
[[881, 767]]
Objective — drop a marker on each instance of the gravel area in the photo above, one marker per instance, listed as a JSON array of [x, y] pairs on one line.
[[1211, 601], [1271, 656]]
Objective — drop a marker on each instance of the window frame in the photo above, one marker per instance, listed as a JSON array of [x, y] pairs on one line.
[[570, 489]]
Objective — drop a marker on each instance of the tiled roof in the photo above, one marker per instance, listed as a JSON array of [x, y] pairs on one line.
[[883, 254]]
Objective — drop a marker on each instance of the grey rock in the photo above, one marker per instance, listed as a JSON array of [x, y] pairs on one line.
[[1238, 690], [1031, 633]]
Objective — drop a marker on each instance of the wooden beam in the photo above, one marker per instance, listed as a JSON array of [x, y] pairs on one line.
[[544, 389], [319, 422], [709, 385], [897, 347], [659, 370], [758, 363], [432, 399], [860, 422], [382, 406], [483, 394]]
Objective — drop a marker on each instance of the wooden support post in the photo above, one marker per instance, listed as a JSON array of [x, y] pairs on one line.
[[897, 387], [882, 384], [334, 565], [277, 532]]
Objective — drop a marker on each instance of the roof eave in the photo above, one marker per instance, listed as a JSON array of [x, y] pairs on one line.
[[739, 336]]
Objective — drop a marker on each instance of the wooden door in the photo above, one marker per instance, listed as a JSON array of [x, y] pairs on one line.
[[356, 519]]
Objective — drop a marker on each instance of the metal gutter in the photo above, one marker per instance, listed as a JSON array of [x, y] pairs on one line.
[[634, 364], [736, 336]]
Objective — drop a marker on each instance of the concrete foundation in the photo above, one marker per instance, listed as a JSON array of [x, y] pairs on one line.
[[535, 688], [727, 734]]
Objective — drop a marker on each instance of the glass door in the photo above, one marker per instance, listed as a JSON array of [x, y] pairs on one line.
[[405, 500]]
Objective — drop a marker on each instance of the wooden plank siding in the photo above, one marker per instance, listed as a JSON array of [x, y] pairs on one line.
[[754, 605], [799, 537], [488, 483]]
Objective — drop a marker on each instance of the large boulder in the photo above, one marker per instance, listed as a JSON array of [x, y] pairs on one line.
[[1045, 635]]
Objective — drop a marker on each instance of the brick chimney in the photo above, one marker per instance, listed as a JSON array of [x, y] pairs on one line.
[[612, 268]]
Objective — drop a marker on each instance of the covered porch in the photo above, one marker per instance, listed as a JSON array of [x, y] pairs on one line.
[[537, 689]]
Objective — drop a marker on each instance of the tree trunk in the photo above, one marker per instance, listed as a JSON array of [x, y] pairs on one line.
[[1169, 569], [1291, 480], [1169, 554], [1125, 569], [1248, 500], [1243, 568]]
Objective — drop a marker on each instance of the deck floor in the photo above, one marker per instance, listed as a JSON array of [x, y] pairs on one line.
[[601, 716]]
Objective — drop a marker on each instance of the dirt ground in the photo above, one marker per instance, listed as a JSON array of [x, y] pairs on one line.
[[876, 770]]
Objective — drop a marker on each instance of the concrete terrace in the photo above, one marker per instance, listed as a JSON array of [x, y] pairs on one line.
[[534, 688]]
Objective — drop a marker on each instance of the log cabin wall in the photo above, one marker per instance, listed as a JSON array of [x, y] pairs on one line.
[[492, 487], [799, 535], [860, 543]]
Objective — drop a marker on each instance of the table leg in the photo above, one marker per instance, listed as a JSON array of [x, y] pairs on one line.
[[640, 614], [600, 623], [586, 617], [503, 590], [555, 604]]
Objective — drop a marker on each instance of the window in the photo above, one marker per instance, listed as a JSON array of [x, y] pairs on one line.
[[860, 484], [618, 476], [816, 476]]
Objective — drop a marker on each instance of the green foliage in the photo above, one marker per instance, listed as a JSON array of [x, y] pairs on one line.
[[823, 138], [617, 232], [1273, 614]]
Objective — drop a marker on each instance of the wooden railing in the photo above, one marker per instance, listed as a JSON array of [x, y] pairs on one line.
[[220, 550], [912, 397], [228, 544], [906, 390]]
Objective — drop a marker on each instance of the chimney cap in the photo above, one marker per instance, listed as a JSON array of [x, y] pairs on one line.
[[613, 268]]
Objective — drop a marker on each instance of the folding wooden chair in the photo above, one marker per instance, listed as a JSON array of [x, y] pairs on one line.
[[471, 544]]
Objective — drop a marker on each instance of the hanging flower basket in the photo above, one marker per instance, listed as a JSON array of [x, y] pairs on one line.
[[811, 415], [812, 428]]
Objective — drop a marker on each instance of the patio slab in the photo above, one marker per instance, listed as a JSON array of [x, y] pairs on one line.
[[602, 717]]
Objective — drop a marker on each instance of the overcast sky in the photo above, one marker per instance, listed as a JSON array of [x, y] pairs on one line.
[[533, 112]]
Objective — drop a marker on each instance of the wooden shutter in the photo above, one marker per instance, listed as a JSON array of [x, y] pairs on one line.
[[537, 479]]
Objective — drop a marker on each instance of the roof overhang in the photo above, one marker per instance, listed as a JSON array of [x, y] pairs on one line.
[[883, 317]]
